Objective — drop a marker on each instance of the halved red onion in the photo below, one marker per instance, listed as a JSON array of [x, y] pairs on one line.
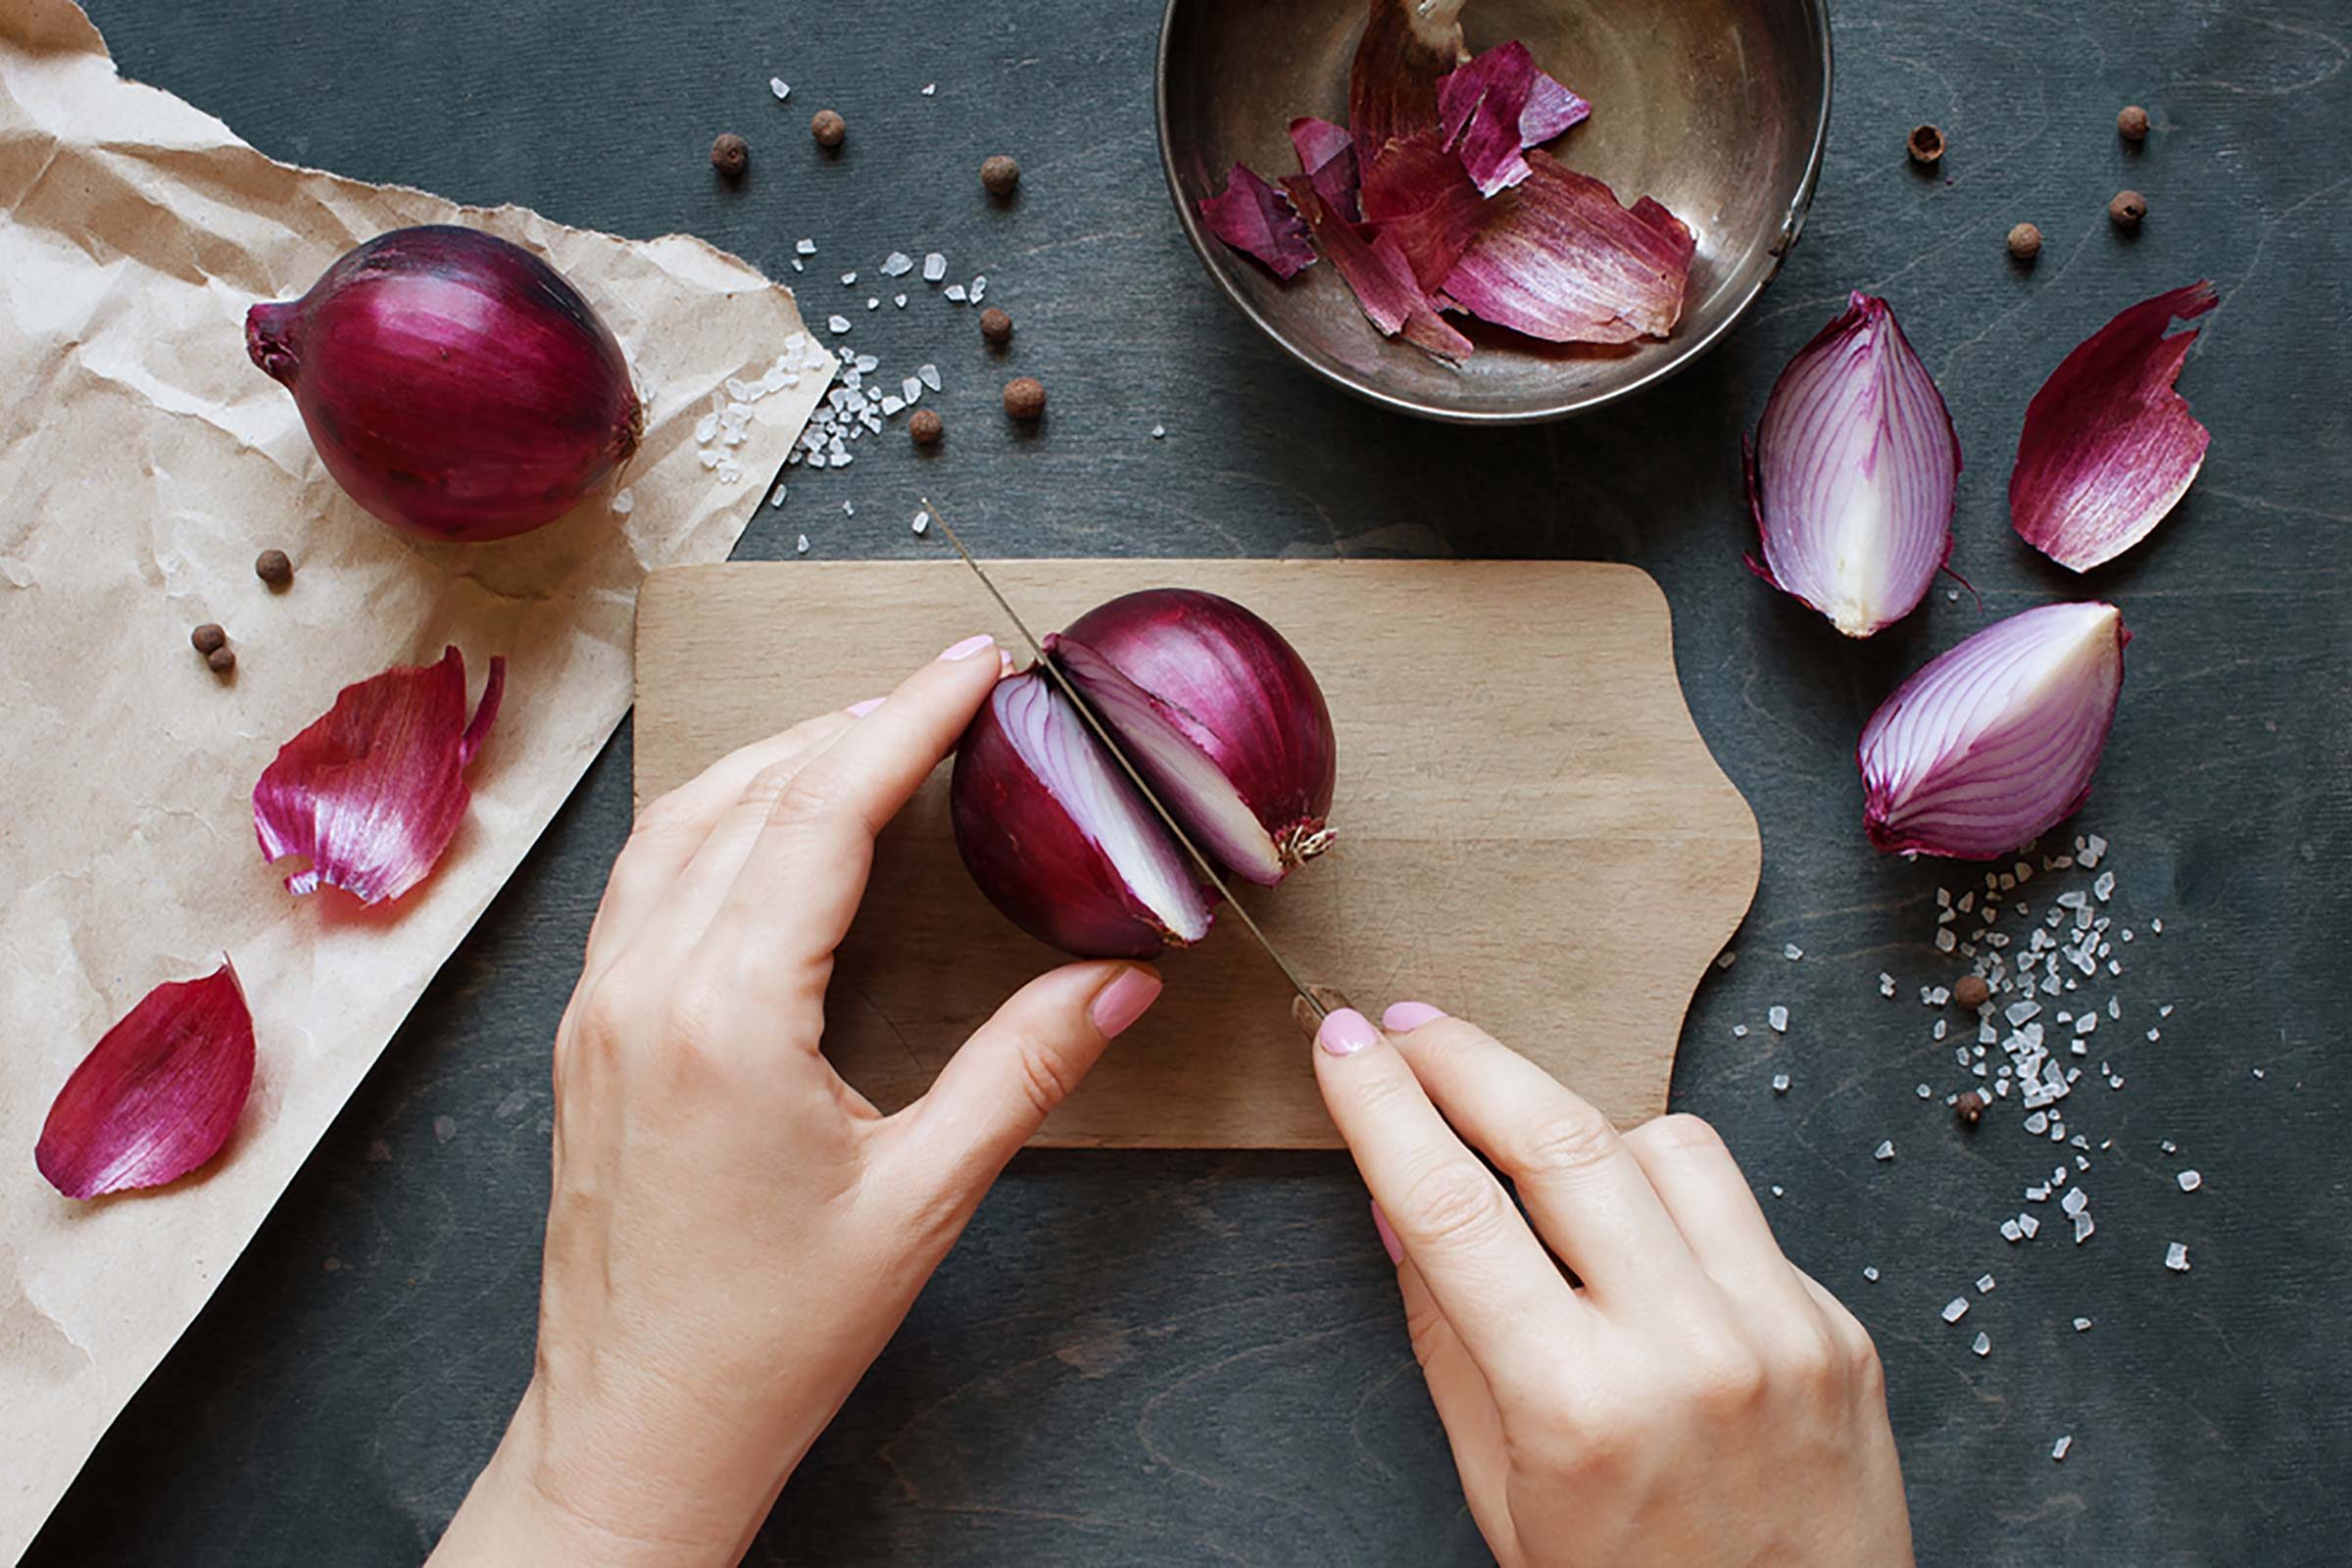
[[1251, 217], [2108, 446], [1995, 741], [1222, 717], [1379, 274], [1058, 836], [1492, 109], [453, 383], [1407, 47], [159, 1094], [1558, 259], [1327, 155], [372, 791], [1853, 474]]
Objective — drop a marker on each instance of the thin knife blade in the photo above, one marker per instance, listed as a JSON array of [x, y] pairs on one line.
[[1118, 753]]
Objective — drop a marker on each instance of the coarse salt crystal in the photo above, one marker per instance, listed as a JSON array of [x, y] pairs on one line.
[[2189, 1181], [2030, 1224], [2011, 1231], [1793, 953], [839, 324], [625, 503], [930, 87], [2082, 1324], [706, 429], [1738, 1031], [1870, 1272], [1955, 1309], [1779, 1083], [1982, 1344], [954, 291], [911, 390], [922, 523], [1726, 958], [2084, 1229], [899, 300], [775, 497], [807, 247], [2176, 1257], [1983, 1283], [1778, 1191], [935, 267], [1946, 942], [1884, 1151], [898, 264], [847, 279], [1777, 1018], [729, 470], [930, 375], [1923, 1092], [2058, 1448], [2076, 1201], [803, 547], [872, 304], [780, 87]]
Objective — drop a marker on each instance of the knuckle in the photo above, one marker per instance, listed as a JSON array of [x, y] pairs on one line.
[[1726, 1378], [1682, 1133], [811, 796], [769, 784], [1455, 1204], [1564, 1141], [1425, 1328], [1044, 1078]]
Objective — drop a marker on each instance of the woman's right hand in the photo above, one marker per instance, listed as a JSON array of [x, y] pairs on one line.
[[1693, 1401]]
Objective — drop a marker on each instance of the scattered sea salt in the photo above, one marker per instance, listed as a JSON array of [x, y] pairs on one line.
[[839, 324], [2082, 1324], [775, 497], [780, 87], [955, 291], [2176, 1257], [922, 523], [935, 267], [1778, 1191], [1983, 1283], [2189, 1181], [1779, 1083], [807, 247], [802, 546], [1871, 1274], [1793, 953], [1159, 432], [1777, 1018], [898, 264], [1738, 1031], [1982, 1344], [1955, 1309], [1884, 1151], [930, 87], [929, 374], [1726, 958], [2058, 1448]]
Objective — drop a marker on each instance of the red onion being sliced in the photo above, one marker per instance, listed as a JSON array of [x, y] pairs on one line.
[[1060, 839], [453, 383], [2109, 447], [1995, 741], [1852, 474], [1220, 715]]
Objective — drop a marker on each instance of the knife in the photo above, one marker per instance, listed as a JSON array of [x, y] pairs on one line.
[[1207, 868]]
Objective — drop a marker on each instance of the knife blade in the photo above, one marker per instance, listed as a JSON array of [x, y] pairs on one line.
[[1118, 755]]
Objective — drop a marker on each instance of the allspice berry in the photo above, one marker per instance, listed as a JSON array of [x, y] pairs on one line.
[[274, 567], [1972, 991], [209, 638], [1024, 397], [2131, 123], [1926, 145], [1969, 1107], [926, 427], [828, 128], [2127, 209], [2025, 242], [730, 155], [1000, 175], [996, 327], [221, 660]]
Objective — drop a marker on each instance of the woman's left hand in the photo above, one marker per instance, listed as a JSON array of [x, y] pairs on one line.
[[735, 1232]]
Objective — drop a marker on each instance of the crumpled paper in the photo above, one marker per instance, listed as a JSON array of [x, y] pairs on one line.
[[145, 461]]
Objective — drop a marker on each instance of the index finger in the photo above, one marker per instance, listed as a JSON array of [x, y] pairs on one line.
[[1490, 1276], [799, 886]]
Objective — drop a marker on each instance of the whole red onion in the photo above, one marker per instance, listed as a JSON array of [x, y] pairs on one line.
[[1060, 839], [1218, 713], [453, 383]]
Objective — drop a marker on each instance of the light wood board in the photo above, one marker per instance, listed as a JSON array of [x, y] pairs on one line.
[[1530, 832]]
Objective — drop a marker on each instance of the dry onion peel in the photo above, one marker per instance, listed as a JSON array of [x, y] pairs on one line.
[[1381, 276], [1407, 48], [1558, 259], [1420, 197], [158, 1096], [1494, 109], [1327, 155], [1852, 474], [372, 791], [2109, 447], [1995, 741], [1251, 217]]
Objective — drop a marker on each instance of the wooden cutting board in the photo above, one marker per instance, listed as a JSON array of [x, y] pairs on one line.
[[1530, 832]]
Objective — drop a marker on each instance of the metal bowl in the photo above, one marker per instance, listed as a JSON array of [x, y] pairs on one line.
[[1717, 108]]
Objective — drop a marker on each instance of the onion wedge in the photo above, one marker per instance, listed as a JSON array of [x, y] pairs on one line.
[[374, 791], [1995, 741], [158, 1096], [2109, 447], [1853, 474]]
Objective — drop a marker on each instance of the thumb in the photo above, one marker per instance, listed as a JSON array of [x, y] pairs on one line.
[[995, 1091]]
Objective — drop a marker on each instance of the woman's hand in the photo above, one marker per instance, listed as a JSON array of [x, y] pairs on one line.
[[735, 1232], [1696, 1401]]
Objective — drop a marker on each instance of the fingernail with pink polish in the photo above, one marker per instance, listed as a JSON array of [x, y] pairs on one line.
[[967, 648], [1388, 1235], [860, 709], [1346, 1031], [1119, 1003], [1404, 1018]]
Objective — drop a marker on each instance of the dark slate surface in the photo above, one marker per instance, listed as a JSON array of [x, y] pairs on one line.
[[1175, 1358]]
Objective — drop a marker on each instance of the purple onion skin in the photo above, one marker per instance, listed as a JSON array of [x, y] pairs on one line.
[[1028, 854], [453, 383], [1242, 697]]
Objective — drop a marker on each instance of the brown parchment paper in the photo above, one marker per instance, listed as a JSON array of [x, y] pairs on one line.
[[143, 461]]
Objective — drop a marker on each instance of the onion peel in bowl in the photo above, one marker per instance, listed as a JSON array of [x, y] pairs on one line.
[[1994, 742], [158, 1096], [1327, 157], [1407, 49], [1381, 276], [2109, 447], [1251, 217], [1421, 199], [1496, 107], [1853, 474], [372, 791], [1558, 258]]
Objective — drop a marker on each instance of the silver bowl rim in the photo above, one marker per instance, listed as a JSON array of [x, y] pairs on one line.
[[1793, 224]]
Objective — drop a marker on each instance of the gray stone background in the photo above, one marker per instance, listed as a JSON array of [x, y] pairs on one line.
[[1159, 1358]]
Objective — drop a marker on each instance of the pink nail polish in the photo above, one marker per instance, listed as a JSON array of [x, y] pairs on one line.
[[1119, 1003], [860, 709], [1346, 1031], [1388, 1235], [967, 648], [1404, 1018]]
